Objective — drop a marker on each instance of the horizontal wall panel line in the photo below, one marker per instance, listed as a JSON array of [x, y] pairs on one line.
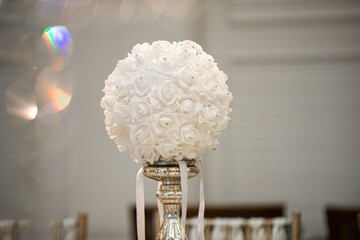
[[284, 56], [250, 13]]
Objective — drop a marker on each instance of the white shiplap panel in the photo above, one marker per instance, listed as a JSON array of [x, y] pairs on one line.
[[281, 121], [293, 12], [294, 136]]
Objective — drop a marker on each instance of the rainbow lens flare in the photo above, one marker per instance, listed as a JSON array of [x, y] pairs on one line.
[[59, 46], [54, 91]]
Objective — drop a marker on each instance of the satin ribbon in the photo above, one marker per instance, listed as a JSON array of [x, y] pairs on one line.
[[140, 205], [197, 224], [201, 208], [160, 206], [184, 190]]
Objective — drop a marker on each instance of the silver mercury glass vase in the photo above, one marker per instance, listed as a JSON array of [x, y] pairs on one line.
[[170, 195]]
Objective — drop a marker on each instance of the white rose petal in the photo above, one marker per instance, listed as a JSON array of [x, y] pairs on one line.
[[167, 93], [167, 150], [187, 105], [155, 103]]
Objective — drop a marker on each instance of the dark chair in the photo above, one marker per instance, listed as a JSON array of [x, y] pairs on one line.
[[245, 211], [343, 223], [358, 221]]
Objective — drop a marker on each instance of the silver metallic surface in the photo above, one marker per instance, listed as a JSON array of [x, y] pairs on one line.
[[170, 195]]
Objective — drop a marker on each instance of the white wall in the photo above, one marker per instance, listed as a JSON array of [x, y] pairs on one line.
[[293, 138], [295, 130]]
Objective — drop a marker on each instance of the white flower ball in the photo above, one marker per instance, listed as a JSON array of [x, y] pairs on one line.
[[166, 101]]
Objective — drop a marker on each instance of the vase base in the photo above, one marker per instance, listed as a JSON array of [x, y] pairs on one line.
[[170, 229]]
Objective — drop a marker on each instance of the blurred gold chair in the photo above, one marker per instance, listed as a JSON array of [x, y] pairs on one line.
[[83, 226], [294, 225], [14, 229]]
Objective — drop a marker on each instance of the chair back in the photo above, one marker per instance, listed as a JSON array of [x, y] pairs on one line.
[[65, 229], [152, 225], [358, 219], [248, 228], [343, 222]]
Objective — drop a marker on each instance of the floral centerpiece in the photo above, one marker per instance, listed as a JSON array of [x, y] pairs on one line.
[[166, 101]]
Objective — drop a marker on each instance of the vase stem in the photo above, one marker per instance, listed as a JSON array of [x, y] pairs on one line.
[[170, 194]]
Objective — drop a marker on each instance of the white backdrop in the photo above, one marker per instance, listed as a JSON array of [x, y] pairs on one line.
[[295, 130], [294, 137]]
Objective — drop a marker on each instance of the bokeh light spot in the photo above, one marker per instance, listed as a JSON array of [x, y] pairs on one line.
[[173, 8], [22, 51], [77, 2], [78, 14], [48, 11], [148, 14], [126, 10], [59, 46], [54, 91], [21, 101], [32, 112], [60, 98]]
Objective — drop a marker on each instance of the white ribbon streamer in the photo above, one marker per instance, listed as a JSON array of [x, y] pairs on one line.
[[160, 207], [184, 190], [201, 208], [140, 205]]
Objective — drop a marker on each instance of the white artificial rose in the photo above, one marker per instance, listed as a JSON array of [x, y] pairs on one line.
[[166, 101], [156, 104], [139, 108], [122, 143], [167, 93], [166, 125], [109, 118], [121, 110], [167, 150], [120, 87], [142, 133], [186, 78], [211, 112], [186, 105], [188, 134], [141, 84], [145, 153]]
